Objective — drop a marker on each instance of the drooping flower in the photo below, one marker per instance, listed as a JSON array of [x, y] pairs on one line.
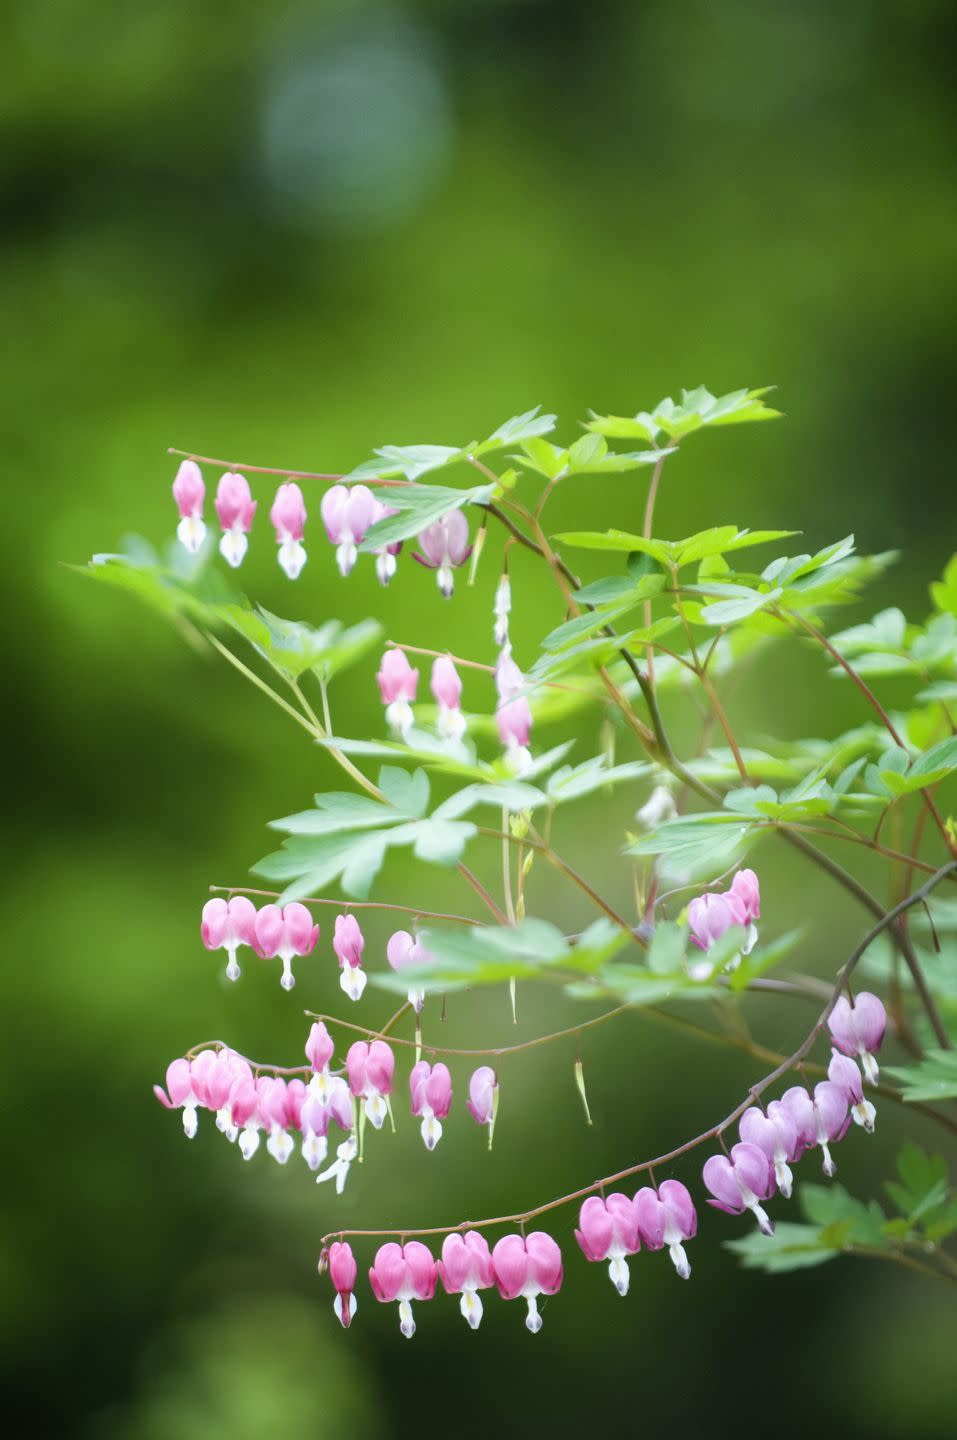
[[244, 1108], [464, 1269], [228, 924], [502, 610], [447, 688], [342, 1273], [274, 1110], [184, 1091], [514, 720], [445, 546], [776, 1134], [385, 555], [404, 1273], [843, 1072], [235, 507], [819, 1119], [482, 1103], [347, 513], [430, 1087], [370, 1069], [527, 1267], [711, 915], [288, 515], [286, 932], [327, 1099], [348, 943], [220, 1078], [746, 890], [857, 1029], [608, 1230], [398, 683], [740, 1181], [666, 1216], [189, 492], [405, 952]]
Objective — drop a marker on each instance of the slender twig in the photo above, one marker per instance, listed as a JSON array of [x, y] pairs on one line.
[[346, 905]]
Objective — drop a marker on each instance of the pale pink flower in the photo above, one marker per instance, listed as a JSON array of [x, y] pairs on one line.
[[288, 515], [666, 1216], [501, 610], [482, 1103], [844, 1073], [447, 689], [404, 1273], [319, 1048], [385, 564], [776, 1134], [819, 1119], [228, 924], [608, 1230], [327, 1099], [465, 1269], [739, 1181], [508, 677], [857, 1029], [275, 1114], [220, 1078], [370, 1069], [185, 1090], [235, 507], [348, 943], [244, 1108], [711, 915], [445, 546], [527, 1267], [189, 492], [342, 1273], [430, 1087], [514, 720], [405, 952], [285, 932], [398, 682], [347, 513]]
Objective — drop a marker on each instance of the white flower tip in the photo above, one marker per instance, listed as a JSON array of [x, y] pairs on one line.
[[533, 1321], [288, 980], [190, 1122], [871, 1070], [292, 557], [765, 1223], [233, 971], [619, 1275], [406, 1320], [680, 1260], [445, 580], [232, 546], [346, 555], [191, 532]]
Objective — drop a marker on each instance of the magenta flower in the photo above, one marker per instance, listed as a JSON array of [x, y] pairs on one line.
[[370, 1069], [181, 1093], [740, 1181], [465, 1269], [189, 492], [818, 1119], [430, 1087], [501, 610], [858, 1029], [348, 943], [244, 1100], [710, 916], [342, 1273], [666, 1216], [276, 1116], [228, 924], [404, 1273], [445, 546], [527, 1267], [405, 952], [288, 515], [608, 1230], [843, 1072], [482, 1103], [746, 891], [235, 507], [285, 932], [447, 688], [398, 683], [776, 1134], [347, 513]]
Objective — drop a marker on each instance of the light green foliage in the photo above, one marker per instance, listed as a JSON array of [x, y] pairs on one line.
[[695, 409], [934, 1078]]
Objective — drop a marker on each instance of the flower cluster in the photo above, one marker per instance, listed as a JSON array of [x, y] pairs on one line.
[[772, 1140], [615, 1227], [348, 512], [274, 931], [712, 915]]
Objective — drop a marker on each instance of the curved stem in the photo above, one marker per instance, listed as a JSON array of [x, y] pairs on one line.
[[346, 905]]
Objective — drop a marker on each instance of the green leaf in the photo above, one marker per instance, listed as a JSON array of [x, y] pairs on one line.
[[408, 793], [521, 427], [791, 1247], [696, 408], [934, 1078], [293, 647], [571, 782], [745, 602], [419, 506], [944, 592]]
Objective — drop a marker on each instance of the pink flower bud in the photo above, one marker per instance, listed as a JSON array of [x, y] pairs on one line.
[[466, 1268], [666, 1216], [445, 546], [347, 513], [608, 1230], [285, 932], [483, 1092], [228, 924], [447, 689], [319, 1047], [527, 1267], [746, 890], [738, 1182], [189, 492], [235, 507], [858, 1030], [370, 1069], [342, 1273], [398, 683], [430, 1087], [288, 515], [404, 1273], [404, 952], [348, 943], [508, 677], [514, 720]]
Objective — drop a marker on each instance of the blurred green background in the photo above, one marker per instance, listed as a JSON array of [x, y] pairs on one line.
[[284, 234]]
